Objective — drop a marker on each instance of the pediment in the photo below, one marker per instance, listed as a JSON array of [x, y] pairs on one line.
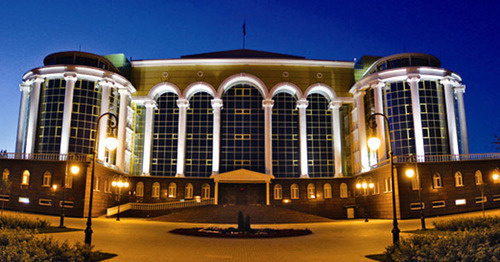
[[242, 176]]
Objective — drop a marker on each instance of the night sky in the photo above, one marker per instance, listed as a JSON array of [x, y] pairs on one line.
[[464, 35]]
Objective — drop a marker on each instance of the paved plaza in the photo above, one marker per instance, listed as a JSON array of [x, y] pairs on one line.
[[134, 239]]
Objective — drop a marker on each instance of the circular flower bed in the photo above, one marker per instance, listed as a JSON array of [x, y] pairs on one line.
[[235, 233]]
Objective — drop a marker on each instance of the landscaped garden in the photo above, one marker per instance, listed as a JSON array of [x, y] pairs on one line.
[[462, 239], [20, 241]]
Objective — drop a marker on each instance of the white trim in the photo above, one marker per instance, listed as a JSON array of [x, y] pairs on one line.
[[240, 61], [320, 88], [242, 78], [285, 87], [198, 87], [164, 87]]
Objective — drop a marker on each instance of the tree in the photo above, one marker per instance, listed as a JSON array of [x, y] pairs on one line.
[[5, 184]]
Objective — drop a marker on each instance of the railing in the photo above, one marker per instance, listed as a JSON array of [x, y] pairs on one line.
[[446, 158], [160, 206], [46, 157]]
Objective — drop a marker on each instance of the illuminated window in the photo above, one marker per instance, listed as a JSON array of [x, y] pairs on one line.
[[205, 191], [388, 185], [311, 191], [188, 191], [478, 178], [343, 190], [436, 181], [172, 190], [327, 190], [26, 178], [459, 180], [278, 191], [285, 130], [155, 193], [47, 179], [294, 191], [5, 174], [139, 189]]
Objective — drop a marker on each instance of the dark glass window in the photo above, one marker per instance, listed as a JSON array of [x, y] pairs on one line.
[[285, 137], [138, 138], [51, 114], [86, 109], [166, 121], [399, 112], [434, 124], [199, 132], [242, 130], [319, 137]]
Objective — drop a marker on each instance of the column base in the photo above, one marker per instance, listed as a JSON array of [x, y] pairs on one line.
[[179, 175], [304, 176]]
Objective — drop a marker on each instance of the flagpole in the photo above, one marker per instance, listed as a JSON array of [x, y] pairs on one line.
[[244, 32]]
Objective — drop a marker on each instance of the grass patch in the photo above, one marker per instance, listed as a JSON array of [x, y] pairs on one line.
[[460, 224], [48, 230], [12, 222]]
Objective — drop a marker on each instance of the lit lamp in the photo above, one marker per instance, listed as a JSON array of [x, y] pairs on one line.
[[111, 144], [365, 185], [119, 185], [73, 170], [374, 144], [410, 173]]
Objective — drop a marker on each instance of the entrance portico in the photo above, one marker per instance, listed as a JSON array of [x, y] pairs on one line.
[[242, 176]]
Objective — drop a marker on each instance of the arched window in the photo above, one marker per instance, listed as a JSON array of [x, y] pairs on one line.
[[311, 191], [278, 191], [188, 191], [205, 191], [478, 177], [327, 190], [436, 181], [47, 179], [415, 185], [343, 191], [294, 191], [26, 178], [164, 141], [5, 174], [459, 180], [155, 193], [139, 189], [172, 190]]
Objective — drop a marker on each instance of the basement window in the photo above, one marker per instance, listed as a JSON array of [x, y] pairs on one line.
[[438, 204], [45, 202], [416, 206]]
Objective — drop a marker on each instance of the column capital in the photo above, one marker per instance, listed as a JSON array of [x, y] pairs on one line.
[[359, 93], [268, 103], [216, 103], [302, 103], [37, 79], [460, 89], [151, 104], [334, 105], [123, 92], [70, 76], [106, 82], [25, 86], [448, 81], [413, 78], [182, 102], [377, 84]]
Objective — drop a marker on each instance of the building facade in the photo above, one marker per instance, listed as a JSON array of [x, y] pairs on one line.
[[249, 127]]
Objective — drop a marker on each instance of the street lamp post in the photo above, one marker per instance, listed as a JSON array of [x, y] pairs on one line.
[[119, 184], [73, 170], [374, 144], [111, 144], [410, 173], [365, 185]]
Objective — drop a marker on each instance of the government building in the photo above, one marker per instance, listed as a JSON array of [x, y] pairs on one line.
[[246, 127]]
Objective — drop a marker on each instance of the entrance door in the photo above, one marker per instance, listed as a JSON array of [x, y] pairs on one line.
[[242, 194]]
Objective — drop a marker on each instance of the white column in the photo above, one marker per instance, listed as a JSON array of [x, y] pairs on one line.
[[103, 128], [148, 136], [379, 108], [122, 124], [449, 99], [268, 142], [21, 126], [304, 165], [363, 148], [68, 111], [459, 91], [183, 105], [33, 115], [417, 118], [217, 106], [337, 138]]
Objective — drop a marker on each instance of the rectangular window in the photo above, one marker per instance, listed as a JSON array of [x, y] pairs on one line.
[[496, 197], [239, 111], [417, 206], [483, 199], [460, 202], [242, 136], [438, 204], [67, 204], [45, 202], [4, 198], [24, 200]]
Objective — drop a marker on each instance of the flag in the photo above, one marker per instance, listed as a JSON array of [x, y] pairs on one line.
[[244, 27]]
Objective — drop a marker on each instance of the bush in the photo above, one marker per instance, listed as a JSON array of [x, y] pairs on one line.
[[22, 245], [13, 222], [469, 223], [481, 244]]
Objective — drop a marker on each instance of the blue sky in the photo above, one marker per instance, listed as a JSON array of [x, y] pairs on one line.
[[464, 35]]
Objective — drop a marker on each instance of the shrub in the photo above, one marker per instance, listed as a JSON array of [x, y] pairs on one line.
[[467, 223], [12, 222], [481, 244], [241, 222], [22, 245]]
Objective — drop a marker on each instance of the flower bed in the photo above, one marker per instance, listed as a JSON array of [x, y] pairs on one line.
[[235, 233]]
